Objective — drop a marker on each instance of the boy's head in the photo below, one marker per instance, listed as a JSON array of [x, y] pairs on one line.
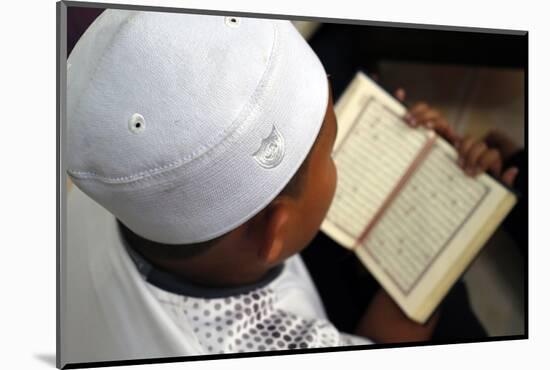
[[281, 229], [193, 130]]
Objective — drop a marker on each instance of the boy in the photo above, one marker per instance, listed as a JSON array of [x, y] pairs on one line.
[[209, 140]]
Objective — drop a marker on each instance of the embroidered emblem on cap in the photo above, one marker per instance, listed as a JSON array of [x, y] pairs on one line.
[[272, 150]]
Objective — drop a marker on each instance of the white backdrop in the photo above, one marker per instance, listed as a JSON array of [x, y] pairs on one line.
[[28, 181]]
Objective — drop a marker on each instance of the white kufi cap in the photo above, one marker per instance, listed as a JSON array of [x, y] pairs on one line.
[[186, 126]]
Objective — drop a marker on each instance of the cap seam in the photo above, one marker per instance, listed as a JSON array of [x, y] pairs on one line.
[[276, 191]]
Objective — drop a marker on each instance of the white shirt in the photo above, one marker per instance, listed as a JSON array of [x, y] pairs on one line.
[[110, 312]]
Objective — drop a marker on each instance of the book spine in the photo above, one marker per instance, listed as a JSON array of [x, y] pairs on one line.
[[395, 192]]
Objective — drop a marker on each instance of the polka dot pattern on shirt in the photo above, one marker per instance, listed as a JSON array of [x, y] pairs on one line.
[[247, 322]]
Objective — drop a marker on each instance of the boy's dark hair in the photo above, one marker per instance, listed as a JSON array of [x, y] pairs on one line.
[[162, 251]]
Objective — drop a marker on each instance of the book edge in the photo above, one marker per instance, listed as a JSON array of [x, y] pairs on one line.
[[460, 265]]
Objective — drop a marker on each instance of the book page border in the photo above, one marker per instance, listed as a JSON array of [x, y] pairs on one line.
[[368, 101]]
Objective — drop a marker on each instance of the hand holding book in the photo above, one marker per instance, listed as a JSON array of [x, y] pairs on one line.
[[475, 155], [384, 322], [402, 203]]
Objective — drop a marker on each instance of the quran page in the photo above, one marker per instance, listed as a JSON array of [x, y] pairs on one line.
[[432, 230], [431, 208], [373, 151]]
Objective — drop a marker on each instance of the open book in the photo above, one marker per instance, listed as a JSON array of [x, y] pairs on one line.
[[402, 203]]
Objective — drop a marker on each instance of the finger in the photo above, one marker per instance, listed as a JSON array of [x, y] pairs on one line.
[[463, 149], [475, 152], [504, 143], [490, 160], [415, 110], [509, 176], [418, 108], [432, 119], [400, 94], [425, 115], [441, 126]]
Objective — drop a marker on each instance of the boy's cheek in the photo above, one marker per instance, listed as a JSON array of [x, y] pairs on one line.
[[334, 176], [316, 208], [329, 190], [320, 203]]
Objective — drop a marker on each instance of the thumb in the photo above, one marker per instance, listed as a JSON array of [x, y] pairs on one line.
[[509, 176]]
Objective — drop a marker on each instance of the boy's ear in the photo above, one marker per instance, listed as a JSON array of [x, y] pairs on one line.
[[276, 221]]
